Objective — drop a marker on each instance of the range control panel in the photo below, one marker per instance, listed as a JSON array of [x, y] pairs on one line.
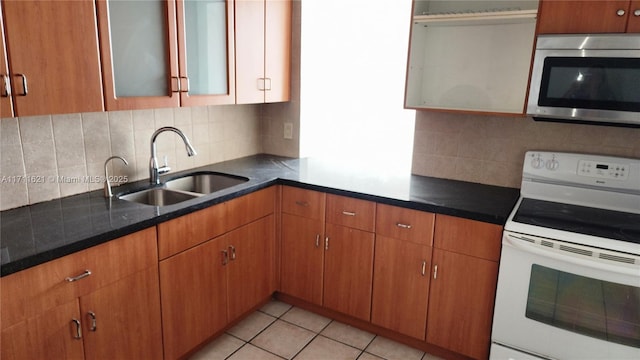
[[604, 170], [583, 169]]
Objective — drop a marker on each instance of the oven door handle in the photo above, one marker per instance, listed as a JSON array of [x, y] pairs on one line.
[[559, 250]]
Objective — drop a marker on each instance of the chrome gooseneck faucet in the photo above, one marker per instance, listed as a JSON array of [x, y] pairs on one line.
[[154, 170], [107, 183]]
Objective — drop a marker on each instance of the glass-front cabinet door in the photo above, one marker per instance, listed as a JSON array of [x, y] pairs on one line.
[[166, 53], [206, 52], [140, 65]]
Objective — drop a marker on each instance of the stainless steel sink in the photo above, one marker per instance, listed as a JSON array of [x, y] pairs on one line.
[[205, 182], [158, 197]]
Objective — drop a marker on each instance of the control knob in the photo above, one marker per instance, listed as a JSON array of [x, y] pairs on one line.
[[537, 162], [552, 164]]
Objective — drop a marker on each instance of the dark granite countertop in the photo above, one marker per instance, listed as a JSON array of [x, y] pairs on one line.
[[35, 234]]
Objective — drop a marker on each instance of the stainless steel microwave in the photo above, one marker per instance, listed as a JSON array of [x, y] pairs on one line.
[[592, 79]]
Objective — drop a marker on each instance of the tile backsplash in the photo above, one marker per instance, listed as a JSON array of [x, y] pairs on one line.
[[46, 157], [490, 150]]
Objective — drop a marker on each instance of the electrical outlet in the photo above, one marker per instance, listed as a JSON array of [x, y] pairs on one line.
[[288, 131]]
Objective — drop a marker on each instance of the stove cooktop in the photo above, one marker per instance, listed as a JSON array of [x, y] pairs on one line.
[[602, 223]]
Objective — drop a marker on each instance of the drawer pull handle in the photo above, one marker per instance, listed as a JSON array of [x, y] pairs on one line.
[[435, 272], [225, 257], [349, 213], [25, 89], [403, 226], [79, 277], [317, 240], [302, 203], [77, 334], [424, 267], [92, 320], [232, 251]]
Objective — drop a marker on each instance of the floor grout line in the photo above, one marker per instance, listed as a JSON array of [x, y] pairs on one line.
[[274, 319]]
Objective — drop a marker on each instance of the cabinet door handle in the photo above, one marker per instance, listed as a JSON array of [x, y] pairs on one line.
[[177, 88], [261, 84], [225, 257], [424, 268], [232, 251], [79, 277], [92, 321], [302, 203], [636, 12], [181, 88], [326, 243], [25, 89], [349, 213], [403, 226], [77, 334], [6, 86], [267, 82], [620, 12], [317, 240], [435, 272]]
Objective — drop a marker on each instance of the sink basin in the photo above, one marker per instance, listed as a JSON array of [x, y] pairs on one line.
[[205, 183], [158, 197]]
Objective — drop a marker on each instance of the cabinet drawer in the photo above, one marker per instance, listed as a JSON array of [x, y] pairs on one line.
[[187, 231], [301, 202], [470, 237], [405, 224], [48, 285], [350, 212], [248, 208]]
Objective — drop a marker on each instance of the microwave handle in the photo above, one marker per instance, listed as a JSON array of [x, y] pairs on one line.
[[531, 244]]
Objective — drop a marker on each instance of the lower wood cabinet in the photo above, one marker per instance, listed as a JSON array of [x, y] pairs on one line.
[[206, 287], [110, 311], [463, 285], [251, 271], [348, 270], [426, 276], [194, 296], [401, 286], [302, 257], [461, 303]]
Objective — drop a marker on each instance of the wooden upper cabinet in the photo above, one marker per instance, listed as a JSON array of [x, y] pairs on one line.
[[584, 17], [263, 48], [206, 54], [52, 49], [138, 47]]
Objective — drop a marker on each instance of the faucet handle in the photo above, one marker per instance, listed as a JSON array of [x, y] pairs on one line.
[[164, 168]]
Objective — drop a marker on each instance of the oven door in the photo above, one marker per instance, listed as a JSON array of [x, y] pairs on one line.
[[559, 300]]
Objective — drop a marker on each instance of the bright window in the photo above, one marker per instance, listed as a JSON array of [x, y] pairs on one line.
[[353, 68]]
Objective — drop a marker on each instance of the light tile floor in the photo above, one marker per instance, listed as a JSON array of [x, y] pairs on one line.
[[279, 331]]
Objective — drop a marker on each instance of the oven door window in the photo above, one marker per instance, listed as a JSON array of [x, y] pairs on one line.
[[591, 83], [596, 308]]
